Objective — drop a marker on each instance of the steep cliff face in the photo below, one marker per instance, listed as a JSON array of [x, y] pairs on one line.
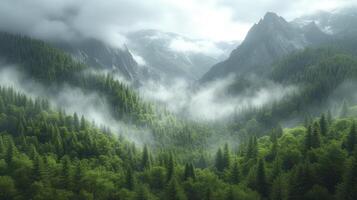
[[101, 56], [268, 40]]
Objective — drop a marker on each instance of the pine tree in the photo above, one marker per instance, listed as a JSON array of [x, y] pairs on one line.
[[37, 168], [76, 123], [10, 152], [274, 148], [83, 123], [142, 193], [278, 131], [261, 181], [323, 125], [170, 167], [2, 146], [2, 105], [315, 142], [65, 173], [230, 194], [202, 163], [209, 194], [279, 189], [308, 139], [344, 109], [57, 141], [219, 160], [173, 191], [351, 140], [189, 172], [226, 161], [145, 160], [329, 117], [252, 150], [347, 189], [301, 182], [235, 173], [129, 182], [78, 175]]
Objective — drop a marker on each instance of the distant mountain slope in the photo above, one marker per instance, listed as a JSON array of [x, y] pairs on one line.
[[101, 56], [341, 22], [54, 69], [174, 56], [267, 41]]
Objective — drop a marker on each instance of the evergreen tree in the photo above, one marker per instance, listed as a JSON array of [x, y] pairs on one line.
[[83, 123], [344, 109], [145, 160], [77, 178], [202, 163], [274, 148], [129, 182], [252, 150], [142, 193], [323, 125], [308, 139], [10, 152], [351, 140], [65, 173], [261, 180], [189, 172], [279, 189], [301, 182], [170, 167], [219, 163], [235, 173], [315, 141], [2, 105], [173, 191], [2, 147], [347, 189], [226, 160], [329, 117], [37, 168], [230, 194], [76, 123]]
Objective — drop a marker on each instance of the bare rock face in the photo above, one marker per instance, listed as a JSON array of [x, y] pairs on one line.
[[267, 41]]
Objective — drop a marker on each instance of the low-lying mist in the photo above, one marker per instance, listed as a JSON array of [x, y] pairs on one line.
[[74, 100], [211, 101]]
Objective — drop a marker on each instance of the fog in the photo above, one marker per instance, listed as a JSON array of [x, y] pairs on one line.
[[212, 101], [74, 100]]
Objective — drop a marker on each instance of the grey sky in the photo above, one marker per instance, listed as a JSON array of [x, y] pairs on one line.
[[110, 19]]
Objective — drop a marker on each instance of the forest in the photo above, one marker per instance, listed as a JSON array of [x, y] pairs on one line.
[[46, 154], [279, 119]]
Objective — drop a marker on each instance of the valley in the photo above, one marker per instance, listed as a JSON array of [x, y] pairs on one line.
[[166, 116]]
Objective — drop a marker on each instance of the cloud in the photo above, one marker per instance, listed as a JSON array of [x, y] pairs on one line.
[[74, 100], [211, 102], [201, 46], [109, 20], [140, 60]]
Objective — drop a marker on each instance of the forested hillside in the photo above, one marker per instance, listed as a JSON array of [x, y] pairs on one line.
[[318, 74], [82, 116], [54, 68], [49, 155]]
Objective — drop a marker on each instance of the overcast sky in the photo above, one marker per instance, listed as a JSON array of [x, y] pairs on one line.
[[219, 20]]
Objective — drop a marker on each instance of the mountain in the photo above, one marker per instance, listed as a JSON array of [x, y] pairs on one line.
[[101, 56], [340, 22], [47, 71], [150, 54], [176, 56], [267, 41]]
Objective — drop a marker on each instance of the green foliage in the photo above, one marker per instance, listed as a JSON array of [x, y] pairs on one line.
[[46, 154]]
